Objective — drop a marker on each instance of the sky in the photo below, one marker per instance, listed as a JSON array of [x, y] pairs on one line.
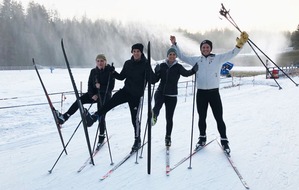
[[193, 15], [262, 127]]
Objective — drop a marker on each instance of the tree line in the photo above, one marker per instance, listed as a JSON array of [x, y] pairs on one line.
[[36, 33]]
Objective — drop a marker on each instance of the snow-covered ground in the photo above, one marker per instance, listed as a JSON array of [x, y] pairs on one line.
[[262, 126]]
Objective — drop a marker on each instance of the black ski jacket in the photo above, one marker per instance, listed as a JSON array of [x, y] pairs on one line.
[[101, 76], [135, 74], [170, 75]]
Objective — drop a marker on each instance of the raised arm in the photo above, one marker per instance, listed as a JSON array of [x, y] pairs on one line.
[[191, 60]]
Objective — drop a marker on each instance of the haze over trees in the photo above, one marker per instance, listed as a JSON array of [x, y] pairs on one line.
[[36, 33]]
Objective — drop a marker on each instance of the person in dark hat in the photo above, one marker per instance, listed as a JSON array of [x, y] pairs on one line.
[[168, 73], [208, 79], [100, 86], [134, 72], [137, 46]]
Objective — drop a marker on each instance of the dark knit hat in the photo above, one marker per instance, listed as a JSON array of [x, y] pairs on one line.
[[137, 46], [170, 51], [206, 42]]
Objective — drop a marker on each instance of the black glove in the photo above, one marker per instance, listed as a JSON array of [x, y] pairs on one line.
[[157, 69], [111, 69], [195, 68]]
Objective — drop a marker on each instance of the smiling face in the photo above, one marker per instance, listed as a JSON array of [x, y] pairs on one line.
[[171, 57], [101, 63], [205, 49], [136, 54]]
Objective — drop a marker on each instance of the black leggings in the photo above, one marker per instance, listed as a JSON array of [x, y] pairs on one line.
[[203, 99], [120, 97], [170, 104], [86, 99]]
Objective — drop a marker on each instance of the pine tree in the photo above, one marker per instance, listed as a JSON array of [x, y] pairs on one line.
[[295, 39]]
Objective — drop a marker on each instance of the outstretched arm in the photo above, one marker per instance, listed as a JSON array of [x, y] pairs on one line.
[[191, 60]]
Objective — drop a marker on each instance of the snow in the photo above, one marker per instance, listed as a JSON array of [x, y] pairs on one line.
[[262, 126]]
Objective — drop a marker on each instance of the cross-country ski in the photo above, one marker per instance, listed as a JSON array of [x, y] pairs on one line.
[[167, 160], [96, 151], [121, 162], [234, 166], [188, 156]]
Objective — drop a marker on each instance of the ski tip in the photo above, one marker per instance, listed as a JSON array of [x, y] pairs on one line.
[[227, 154], [133, 151], [198, 148]]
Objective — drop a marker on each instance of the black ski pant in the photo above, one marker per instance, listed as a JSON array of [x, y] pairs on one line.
[[170, 104], [86, 99], [203, 99], [120, 97]]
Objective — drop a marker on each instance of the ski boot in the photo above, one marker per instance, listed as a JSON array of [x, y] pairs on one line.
[[154, 118], [224, 143], [90, 119], [137, 144], [100, 141], [62, 118], [201, 142], [167, 140]]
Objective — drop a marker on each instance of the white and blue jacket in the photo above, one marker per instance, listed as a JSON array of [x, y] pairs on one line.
[[208, 74]]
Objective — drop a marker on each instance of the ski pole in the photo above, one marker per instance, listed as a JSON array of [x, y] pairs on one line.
[[138, 122], [149, 112], [223, 11], [193, 109], [50, 171], [102, 121], [108, 141], [51, 106], [141, 151], [81, 108]]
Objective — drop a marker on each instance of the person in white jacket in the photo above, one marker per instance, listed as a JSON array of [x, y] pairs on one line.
[[207, 80]]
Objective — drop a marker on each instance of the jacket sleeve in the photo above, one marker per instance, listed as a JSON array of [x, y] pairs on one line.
[[91, 83], [111, 84], [110, 80], [184, 72], [149, 71], [122, 74], [191, 60], [155, 78], [224, 57]]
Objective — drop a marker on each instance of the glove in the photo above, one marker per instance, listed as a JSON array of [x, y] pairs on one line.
[[111, 69], [195, 68], [242, 40], [157, 69]]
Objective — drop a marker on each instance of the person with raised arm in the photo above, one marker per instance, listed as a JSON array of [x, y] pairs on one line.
[[207, 81]]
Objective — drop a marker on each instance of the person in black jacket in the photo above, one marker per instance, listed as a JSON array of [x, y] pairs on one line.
[[169, 72], [100, 86], [134, 73]]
